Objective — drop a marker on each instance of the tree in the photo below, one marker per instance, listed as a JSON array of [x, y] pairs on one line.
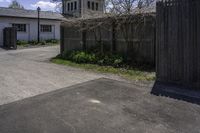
[[118, 6], [127, 6], [59, 5], [16, 4]]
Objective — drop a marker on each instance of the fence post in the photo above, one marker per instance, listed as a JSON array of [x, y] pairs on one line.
[[62, 33], [83, 36], [113, 43]]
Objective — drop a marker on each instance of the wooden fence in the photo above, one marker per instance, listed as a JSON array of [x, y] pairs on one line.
[[10, 38], [178, 42], [133, 36]]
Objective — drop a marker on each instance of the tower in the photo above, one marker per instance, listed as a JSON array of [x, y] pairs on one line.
[[83, 8]]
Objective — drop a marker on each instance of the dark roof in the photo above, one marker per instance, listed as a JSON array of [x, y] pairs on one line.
[[21, 13]]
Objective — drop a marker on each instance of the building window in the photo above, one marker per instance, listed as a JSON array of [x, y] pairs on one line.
[[45, 28], [20, 27], [75, 5], [68, 6], [88, 3], [92, 5], [97, 6], [72, 6]]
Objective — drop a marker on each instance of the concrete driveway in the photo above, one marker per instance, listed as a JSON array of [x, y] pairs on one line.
[[92, 104], [100, 106], [28, 72], [1, 49]]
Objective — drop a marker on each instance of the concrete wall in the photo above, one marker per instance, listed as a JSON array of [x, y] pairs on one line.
[[31, 28], [82, 8], [92, 13], [72, 12]]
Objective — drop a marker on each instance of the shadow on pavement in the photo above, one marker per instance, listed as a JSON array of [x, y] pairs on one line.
[[176, 92], [99, 106]]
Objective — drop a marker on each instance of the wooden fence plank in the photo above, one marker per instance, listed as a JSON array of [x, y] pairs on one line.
[[178, 43]]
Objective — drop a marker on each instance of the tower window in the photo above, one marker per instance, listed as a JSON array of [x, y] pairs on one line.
[[68, 7], [88, 3], [72, 5], [97, 6], [92, 5], [75, 5]]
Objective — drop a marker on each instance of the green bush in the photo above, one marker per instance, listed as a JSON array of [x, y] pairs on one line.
[[82, 57], [33, 42], [111, 60], [21, 42], [52, 41], [88, 57], [43, 43]]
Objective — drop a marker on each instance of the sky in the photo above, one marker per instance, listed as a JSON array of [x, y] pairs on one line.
[[45, 5]]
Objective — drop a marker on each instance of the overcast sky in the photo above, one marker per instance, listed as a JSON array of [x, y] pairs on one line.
[[45, 5]]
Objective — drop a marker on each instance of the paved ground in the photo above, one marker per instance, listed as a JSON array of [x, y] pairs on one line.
[[91, 105], [1, 49], [28, 72], [100, 106]]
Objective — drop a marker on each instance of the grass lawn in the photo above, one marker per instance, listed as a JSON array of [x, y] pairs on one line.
[[131, 74]]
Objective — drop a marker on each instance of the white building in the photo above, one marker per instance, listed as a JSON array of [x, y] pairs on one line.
[[26, 22]]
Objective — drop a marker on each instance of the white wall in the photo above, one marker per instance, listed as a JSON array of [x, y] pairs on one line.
[[31, 28]]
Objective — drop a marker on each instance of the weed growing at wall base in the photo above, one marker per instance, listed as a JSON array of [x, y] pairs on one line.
[[34, 43], [132, 74]]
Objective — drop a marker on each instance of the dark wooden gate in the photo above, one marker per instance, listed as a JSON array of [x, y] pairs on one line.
[[10, 38], [178, 42]]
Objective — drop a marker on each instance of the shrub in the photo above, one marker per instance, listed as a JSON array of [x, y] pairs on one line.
[[21, 42], [52, 41], [111, 60], [43, 43], [33, 42], [80, 57], [87, 57], [118, 62]]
